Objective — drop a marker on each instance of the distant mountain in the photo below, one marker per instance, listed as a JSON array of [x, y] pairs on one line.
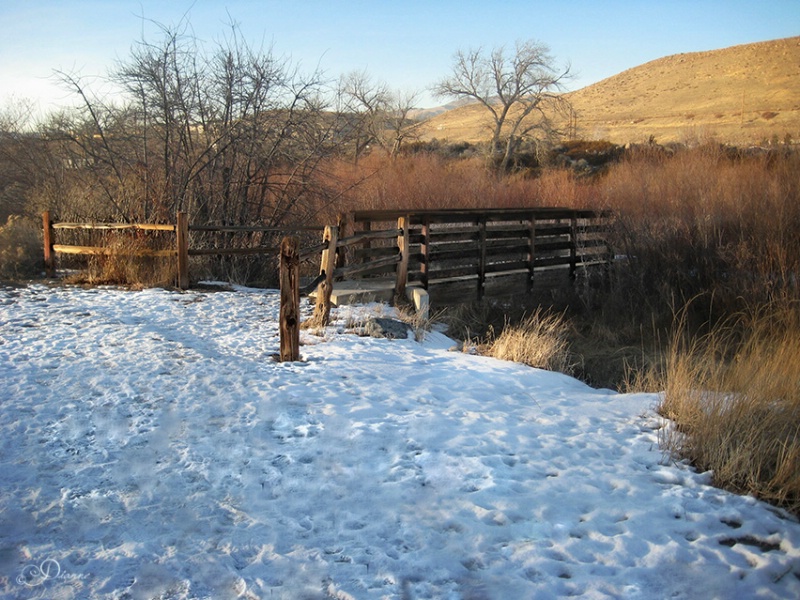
[[742, 94], [423, 114]]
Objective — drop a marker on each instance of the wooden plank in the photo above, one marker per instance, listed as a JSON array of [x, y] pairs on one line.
[[101, 251], [549, 230], [366, 236], [443, 253], [552, 261], [357, 269], [453, 272], [233, 251], [452, 215], [290, 300], [545, 247], [116, 226], [494, 248], [246, 229], [504, 267]]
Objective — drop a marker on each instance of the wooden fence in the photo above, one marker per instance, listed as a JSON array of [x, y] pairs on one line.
[[179, 246]]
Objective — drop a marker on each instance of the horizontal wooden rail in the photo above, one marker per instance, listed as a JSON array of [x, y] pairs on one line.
[[101, 251], [247, 229], [233, 251], [368, 236], [115, 226]]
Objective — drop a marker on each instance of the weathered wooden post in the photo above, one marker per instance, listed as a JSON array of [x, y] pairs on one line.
[[342, 223], [573, 245], [49, 259], [322, 309], [402, 266], [425, 251], [182, 244], [482, 256], [531, 253], [290, 300]]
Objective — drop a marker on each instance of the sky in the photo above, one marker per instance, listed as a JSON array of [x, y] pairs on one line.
[[407, 44]]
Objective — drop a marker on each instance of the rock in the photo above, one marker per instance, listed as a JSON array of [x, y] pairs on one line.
[[387, 328]]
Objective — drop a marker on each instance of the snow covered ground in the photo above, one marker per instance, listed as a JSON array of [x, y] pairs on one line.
[[151, 448]]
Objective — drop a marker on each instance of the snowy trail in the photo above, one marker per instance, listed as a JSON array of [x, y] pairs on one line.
[[152, 449]]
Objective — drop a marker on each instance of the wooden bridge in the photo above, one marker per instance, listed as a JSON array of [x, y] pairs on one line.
[[461, 255]]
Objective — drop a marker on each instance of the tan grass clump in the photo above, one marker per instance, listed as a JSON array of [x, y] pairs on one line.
[[128, 260], [734, 395], [539, 340]]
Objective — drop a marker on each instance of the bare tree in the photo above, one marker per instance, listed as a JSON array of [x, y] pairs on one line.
[[233, 135], [400, 126], [376, 114], [522, 92]]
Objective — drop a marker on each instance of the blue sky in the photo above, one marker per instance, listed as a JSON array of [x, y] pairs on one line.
[[408, 44]]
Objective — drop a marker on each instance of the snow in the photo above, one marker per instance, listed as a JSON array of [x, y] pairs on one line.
[[151, 447]]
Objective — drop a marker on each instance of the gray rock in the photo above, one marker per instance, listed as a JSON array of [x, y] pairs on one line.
[[387, 328]]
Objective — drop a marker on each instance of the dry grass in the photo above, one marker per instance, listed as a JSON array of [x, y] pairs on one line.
[[540, 340], [734, 395], [126, 263]]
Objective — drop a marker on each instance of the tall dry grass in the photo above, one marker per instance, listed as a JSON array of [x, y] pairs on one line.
[[734, 395], [540, 340]]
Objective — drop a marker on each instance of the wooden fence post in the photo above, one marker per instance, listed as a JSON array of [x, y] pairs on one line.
[[425, 251], [531, 254], [49, 259], [182, 243], [482, 252], [402, 266], [322, 309], [573, 246], [290, 300], [342, 224]]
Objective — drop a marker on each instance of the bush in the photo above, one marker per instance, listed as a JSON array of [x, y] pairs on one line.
[[20, 248]]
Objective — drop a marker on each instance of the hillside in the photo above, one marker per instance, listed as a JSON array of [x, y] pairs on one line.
[[741, 94]]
